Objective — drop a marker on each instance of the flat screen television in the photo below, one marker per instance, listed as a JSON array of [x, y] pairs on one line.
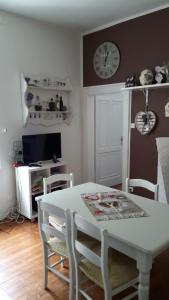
[[41, 147]]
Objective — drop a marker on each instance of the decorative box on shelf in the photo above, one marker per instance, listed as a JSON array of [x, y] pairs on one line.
[[45, 100]]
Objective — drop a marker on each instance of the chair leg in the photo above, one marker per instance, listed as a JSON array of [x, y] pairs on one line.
[[71, 282], [62, 263], [45, 267], [78, 294]]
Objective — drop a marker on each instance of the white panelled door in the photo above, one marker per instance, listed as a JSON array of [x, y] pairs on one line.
[[108, 126]]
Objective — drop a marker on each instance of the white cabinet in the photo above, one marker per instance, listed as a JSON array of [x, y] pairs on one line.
[[45, 101], [29, 184]]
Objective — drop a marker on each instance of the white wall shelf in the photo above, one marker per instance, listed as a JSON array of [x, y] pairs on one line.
[[45, 88], [29, 185], [67, 87], [48, 118], [146, 87]]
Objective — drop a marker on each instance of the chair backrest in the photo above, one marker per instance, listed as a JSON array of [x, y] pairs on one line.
[[46, 210], [130, 183], [79, 224], [69, 178], [57, 239]]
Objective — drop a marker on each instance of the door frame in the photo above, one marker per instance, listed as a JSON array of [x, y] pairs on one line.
[[88, 129]]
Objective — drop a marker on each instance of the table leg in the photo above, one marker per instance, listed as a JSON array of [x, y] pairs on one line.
[[144, 265]]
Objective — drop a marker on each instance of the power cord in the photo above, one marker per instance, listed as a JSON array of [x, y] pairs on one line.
[[12, 216]]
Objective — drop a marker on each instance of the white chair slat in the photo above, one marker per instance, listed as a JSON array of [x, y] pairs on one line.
[[143, 184], [69, 178], [86, 252], [87, 227], [49, 230], [52, 210]]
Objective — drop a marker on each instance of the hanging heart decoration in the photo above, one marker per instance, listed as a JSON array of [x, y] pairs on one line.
[[145, 121]]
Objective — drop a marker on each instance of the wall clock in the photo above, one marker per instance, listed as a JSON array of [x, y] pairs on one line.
[[106, 60]]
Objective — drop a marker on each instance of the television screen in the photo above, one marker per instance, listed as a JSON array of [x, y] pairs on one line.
[[40, 147]]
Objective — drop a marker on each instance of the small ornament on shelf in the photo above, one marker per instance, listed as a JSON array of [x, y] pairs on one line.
[[165, 67], [160, 75], [45, 82], [130, 80], [146, 77]]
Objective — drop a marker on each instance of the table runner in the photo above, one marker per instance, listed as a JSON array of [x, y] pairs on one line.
[[112, 206]]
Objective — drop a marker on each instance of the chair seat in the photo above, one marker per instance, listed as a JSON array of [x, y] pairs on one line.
[[59, 247], [56, 222], [82, 237], [122, 269], [87, 240]]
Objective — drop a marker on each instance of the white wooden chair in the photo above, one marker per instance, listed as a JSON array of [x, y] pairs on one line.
[[130, 183], [57, 179], [56, 242], [107, 268]]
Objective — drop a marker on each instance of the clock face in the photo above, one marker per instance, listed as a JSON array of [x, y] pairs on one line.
[[106, 60]]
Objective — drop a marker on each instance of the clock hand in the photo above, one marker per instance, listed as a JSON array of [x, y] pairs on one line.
[[106, 57]]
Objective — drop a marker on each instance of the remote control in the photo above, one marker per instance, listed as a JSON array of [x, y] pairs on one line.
[[35, 165]]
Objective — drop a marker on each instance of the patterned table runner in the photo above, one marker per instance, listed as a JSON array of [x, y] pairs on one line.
[[112, 206]]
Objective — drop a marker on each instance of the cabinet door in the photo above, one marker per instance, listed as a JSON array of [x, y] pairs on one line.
[[23, 189]]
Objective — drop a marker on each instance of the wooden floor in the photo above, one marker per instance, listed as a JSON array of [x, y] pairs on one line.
[[117, 187], [21, 268]]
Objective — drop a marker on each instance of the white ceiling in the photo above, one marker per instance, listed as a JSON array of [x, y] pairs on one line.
[[80, 14]]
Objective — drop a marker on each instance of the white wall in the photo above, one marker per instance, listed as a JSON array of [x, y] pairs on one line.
[[34, 48]]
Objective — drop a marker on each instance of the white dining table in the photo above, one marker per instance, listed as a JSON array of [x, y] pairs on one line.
[[141, 238]]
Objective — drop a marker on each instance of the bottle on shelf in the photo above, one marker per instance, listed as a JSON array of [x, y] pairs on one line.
[[61, 103], [45, 105], [57, 103], [52, 106], [38, 105]]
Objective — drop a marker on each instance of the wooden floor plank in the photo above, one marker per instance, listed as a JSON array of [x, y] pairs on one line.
[[21, 268]]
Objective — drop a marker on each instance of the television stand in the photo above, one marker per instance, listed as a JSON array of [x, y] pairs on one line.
[[29, 184]]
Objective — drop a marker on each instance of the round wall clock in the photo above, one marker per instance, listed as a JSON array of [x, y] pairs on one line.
[[106, 60]]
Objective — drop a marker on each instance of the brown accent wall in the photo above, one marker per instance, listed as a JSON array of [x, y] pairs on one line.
[[143, 43], [143, 155]]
